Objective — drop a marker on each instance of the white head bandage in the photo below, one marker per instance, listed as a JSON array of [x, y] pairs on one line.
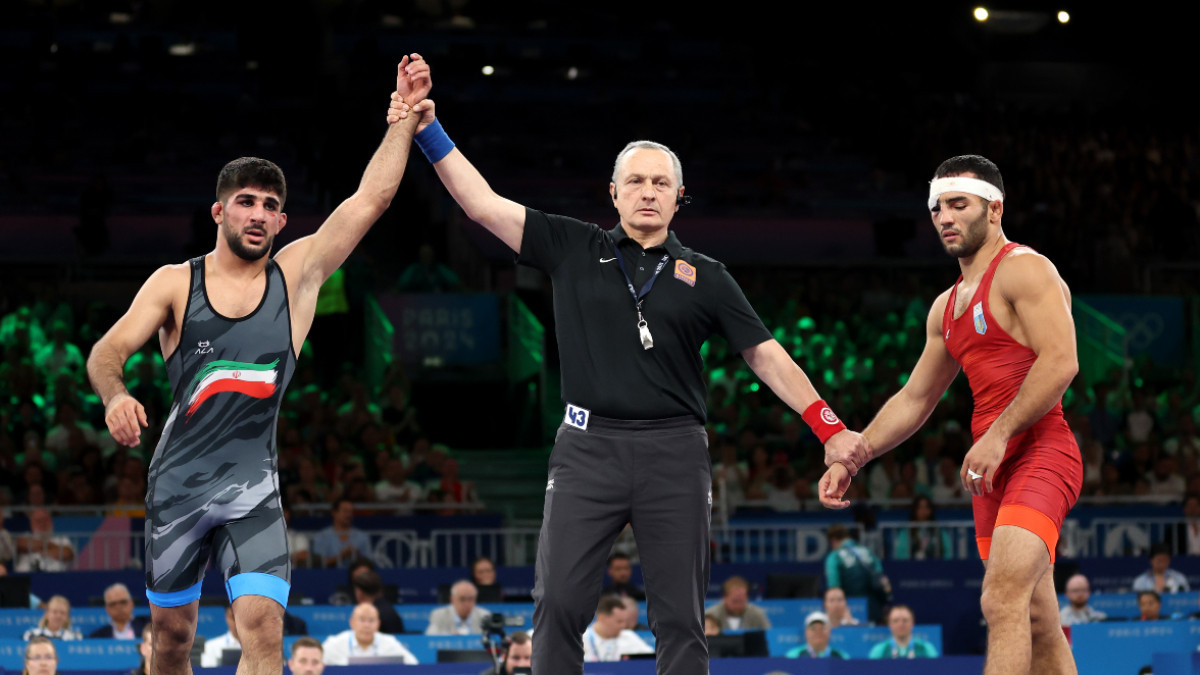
[[971, 186]]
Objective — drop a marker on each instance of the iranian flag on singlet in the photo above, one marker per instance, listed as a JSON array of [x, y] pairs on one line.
[[252, 379]]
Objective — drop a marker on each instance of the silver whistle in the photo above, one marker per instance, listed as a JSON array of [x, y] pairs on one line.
[[644, 334]]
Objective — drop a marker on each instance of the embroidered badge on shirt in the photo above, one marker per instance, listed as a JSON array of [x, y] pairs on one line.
[[685, 273], [980, 324]]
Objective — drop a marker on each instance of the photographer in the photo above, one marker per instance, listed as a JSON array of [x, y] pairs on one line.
[[518, 656]]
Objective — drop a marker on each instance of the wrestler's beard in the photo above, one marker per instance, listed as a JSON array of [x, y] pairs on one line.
[[973, 238], [244, 251]]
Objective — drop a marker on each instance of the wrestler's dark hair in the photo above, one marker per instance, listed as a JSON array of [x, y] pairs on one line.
[[983, 168], [251, 172]]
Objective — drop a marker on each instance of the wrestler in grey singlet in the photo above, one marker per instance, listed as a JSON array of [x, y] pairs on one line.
[[213, 485]]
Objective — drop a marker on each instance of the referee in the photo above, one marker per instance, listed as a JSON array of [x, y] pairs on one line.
[[632, 307]]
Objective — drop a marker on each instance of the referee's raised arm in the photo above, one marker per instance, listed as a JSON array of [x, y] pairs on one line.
[[502, 217]]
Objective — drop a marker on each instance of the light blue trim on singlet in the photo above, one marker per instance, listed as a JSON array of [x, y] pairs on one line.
[[175, 598], [258, 583]]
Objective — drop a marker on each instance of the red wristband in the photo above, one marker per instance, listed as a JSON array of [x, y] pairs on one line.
[[822, 421]]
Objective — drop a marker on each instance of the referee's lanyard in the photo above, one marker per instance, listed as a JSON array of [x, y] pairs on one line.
[[643, 327]]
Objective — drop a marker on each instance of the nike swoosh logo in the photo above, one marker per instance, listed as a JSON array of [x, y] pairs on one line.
[[604, 260]]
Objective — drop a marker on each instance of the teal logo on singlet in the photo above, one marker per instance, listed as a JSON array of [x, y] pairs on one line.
[[977, 313]]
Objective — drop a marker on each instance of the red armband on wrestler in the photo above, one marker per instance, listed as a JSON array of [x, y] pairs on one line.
[[822, 421]]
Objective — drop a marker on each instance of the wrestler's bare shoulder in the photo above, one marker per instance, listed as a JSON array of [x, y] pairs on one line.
[[1024, 265], [1020, 279], [169, 280]]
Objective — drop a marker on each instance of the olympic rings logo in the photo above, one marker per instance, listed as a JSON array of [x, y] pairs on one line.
[[1141, 330]]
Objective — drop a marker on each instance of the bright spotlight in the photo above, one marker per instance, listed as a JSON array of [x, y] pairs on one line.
[[572, 73], [488, 70], [981, 14], [1063, 17]]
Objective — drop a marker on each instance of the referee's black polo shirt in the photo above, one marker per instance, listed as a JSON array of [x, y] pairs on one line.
[[604, 367]]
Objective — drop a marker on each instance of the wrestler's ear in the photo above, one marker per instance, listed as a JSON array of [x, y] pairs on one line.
[[995, 210], [218, 212]]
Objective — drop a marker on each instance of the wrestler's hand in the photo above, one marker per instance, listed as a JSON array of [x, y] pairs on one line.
[[983, 459], [397, 109], [833, 486], [412, 79], [125, 418], [848, 448], [426, 108]]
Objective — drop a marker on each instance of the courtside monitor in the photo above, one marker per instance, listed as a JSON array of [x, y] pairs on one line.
[[463, 656], [736, 645], [395, 660], [14, 591], [756, 643], [726, 646], [793, 586]]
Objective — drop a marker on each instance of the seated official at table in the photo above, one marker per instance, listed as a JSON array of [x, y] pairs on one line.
[[816, 640]]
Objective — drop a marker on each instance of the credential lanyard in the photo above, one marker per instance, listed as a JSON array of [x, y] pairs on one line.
[[899, 652], [638, 297], [611, 648]]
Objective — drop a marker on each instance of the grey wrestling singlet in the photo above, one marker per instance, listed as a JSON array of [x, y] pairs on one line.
[[213, 488]]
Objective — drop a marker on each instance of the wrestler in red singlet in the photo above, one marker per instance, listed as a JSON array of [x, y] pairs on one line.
[[1023, 469], [1042, 473]]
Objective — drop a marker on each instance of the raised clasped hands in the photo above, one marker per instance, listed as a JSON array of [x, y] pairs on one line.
[[413, 84], [412, 79]]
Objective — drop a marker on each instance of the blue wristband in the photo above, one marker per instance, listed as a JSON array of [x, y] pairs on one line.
[[434, 142]]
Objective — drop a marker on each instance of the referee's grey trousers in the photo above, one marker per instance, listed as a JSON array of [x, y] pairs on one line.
[[655, 475]]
